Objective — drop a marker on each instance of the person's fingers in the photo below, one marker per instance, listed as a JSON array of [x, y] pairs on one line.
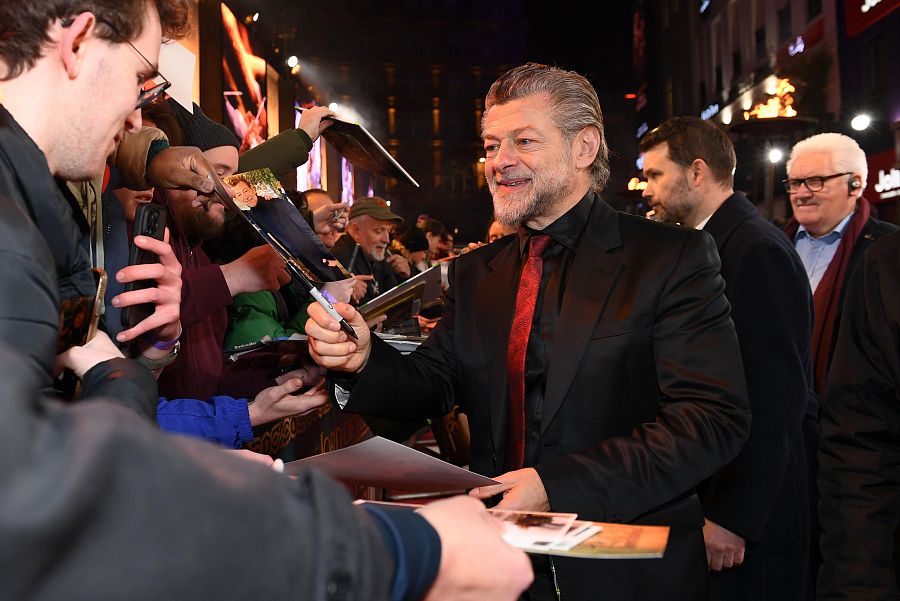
[[486, 492], [331, 354], [286, 388], [200, 176], [146, 271], [137, 297], [251, 456], [311, 402], [153, 321], [371, 323], [151, 244], [316, 389], [322, 326]]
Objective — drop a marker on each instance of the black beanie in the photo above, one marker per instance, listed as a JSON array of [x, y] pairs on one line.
[[201, 131], [414, 240]]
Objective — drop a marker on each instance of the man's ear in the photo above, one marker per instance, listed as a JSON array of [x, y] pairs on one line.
[[586, 146], [698, 173], [71, 42]]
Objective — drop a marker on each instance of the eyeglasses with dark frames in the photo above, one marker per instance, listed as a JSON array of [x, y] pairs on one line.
[[814, 184], [147, 96]]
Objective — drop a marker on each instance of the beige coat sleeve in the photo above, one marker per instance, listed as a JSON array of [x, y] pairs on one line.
[[130, 156]]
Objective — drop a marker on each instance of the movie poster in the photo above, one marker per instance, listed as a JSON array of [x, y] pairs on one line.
[[244, 84]]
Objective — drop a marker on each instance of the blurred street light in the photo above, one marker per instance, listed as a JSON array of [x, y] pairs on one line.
[[776, 155], [861, 122]]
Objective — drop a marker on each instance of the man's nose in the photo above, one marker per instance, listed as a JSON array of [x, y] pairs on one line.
[[803, 191], [133, 121], [505, 157]]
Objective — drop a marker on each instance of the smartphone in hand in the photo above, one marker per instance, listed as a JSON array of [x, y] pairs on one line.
[[150, 220]]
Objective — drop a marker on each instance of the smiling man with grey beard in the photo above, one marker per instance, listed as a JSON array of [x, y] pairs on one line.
[[592, 352]]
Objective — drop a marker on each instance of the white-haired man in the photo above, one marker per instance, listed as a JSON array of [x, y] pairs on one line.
[[831, 227]]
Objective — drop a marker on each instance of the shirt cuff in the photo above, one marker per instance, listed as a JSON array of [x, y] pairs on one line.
[[342, 386], [415, 546], [341, 396]]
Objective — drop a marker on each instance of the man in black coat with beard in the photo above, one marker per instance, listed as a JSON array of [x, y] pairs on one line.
[[757, 507]]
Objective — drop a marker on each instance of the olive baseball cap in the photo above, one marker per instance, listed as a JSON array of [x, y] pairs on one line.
[[374, 206]]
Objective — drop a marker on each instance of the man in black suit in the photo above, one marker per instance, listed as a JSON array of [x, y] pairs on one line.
[[757, 507], [859, 459], [631, 391]]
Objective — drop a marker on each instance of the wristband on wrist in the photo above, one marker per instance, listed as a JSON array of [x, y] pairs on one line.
[[164, 345], [162, 362]]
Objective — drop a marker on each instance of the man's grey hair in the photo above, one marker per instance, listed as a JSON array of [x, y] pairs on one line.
[[846, 155], [573, 105]]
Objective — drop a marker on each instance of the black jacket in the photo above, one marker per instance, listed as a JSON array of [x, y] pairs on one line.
[[859, 458], [43, 260], [763, 494], [87, 492], [645, 393]]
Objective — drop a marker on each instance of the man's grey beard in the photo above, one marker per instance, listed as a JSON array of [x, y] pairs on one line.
[[548, 185], [515, 214]]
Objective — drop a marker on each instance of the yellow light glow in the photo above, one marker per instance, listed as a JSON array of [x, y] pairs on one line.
[[636, 184], [778, 105]]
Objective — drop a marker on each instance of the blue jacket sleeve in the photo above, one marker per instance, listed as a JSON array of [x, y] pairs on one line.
[[415, 546], [221, 419]]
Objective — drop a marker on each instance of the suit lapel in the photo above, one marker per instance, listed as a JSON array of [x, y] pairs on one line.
[[495, 299], [589, 284]]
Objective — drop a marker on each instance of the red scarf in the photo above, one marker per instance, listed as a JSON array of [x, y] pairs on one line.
[[828, 293]]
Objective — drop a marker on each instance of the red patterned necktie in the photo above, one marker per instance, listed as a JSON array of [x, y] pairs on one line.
[[529, 283]]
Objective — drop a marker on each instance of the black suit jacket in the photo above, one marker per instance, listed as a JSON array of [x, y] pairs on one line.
[[872, 231], [763, 495], [859, 459], [645, 391]]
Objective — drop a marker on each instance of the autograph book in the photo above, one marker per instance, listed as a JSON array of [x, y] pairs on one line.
[[357, 145]]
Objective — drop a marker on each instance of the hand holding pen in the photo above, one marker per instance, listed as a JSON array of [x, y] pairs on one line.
[[328, 217]]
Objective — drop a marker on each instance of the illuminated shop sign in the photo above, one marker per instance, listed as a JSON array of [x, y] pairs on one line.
[[861, 14], [797, 46], [778, 105], [888, 185], [642, 129], [709, 112], [869, 5]]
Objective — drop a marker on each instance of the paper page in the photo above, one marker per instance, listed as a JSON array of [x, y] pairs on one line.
[[177, 63], [533, 529], [383, 463]]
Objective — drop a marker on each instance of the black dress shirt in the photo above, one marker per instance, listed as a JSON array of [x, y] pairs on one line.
[[564, 234]]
